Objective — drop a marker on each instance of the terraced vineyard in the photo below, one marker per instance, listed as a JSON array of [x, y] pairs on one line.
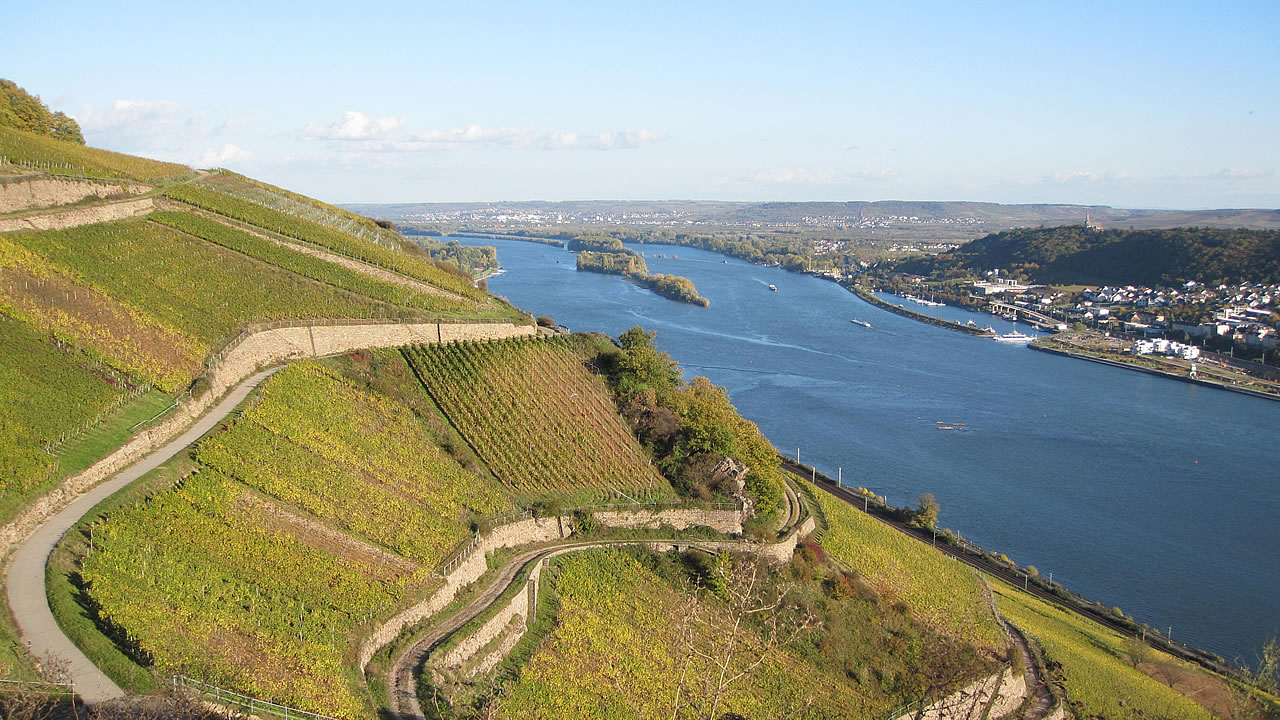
[[617, 652], [304, 207], [291, 226], [353, 459], [55, 301], [46, 391], [202, 583], [536, 415], [319, 509], [1100, 678], [305, 265], [43, 153], [184, 282], [940, 592]]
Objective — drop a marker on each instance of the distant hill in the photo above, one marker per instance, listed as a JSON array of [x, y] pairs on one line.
[[1075, 254]]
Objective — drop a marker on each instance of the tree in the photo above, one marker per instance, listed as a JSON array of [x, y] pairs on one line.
[[726, 642], [927, 508], [1243, 699]]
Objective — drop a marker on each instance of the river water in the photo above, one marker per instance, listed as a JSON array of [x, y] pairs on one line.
[[1142, 492]]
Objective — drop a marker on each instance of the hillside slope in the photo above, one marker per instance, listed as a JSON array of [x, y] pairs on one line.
[[1076, 255]]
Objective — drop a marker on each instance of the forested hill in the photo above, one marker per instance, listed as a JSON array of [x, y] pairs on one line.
[[1074, 254]]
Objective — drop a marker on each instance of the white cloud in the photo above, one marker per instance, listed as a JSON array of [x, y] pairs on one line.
[[228, 155], [783, 176], [355, 125], [1069, 176], [477, 135], [1239, 173], [136, 116]]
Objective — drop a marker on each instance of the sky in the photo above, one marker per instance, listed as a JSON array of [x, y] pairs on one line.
[[1128, 104]]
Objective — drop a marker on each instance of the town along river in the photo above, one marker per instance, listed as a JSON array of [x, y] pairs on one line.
[[1141, 492]]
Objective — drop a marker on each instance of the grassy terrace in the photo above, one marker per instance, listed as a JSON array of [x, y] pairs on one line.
[[56, 157], [1099, 666], [416, 267], [902, 569]]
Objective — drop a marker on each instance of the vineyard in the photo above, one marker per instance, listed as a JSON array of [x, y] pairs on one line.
[[304, 207], [418, 268], [617, 651], [36, 291], [43, 153], [1095, 663], [201, 585], [317, 511], [353, 459], [940, 592], [46, 391], [536, 415], [302, 264], [182, 281]]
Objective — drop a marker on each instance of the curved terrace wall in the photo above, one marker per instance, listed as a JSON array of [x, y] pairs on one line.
[[244, 356]]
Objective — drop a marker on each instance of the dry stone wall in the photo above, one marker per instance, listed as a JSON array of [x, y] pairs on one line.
[[523, 532], [79, 216], [1003, 691], [728, 522], [48, 192], [258, 350]]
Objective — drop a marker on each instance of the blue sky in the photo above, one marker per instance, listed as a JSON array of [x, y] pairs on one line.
[[1167, 104]]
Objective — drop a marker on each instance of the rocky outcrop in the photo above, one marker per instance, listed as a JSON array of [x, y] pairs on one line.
[[1003, 692], [41, 192], [79, 216]]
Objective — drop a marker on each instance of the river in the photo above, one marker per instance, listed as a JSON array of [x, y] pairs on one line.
[[1141, 492]]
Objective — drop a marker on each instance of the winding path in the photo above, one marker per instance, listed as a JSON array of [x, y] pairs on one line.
[[25, 577]]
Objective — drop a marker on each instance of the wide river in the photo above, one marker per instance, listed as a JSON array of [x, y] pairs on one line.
[[1153, 495]]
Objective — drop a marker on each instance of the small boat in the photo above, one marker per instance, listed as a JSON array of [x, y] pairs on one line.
[[773, 288], [1014, 337], [863, 323]]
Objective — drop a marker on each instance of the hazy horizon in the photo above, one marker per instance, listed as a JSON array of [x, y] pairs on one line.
[[1129, 105]]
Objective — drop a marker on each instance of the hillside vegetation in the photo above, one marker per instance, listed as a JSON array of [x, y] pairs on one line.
[[901, 569], [1074, 254], [24, 111], [27, 151]]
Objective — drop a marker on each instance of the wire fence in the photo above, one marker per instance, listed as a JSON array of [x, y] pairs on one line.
[[245, 703], [40, 687]]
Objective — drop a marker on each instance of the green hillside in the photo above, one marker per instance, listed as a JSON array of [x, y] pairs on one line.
[[1074, 254]]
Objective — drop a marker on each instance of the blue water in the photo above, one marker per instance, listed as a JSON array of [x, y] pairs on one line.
[[1139, 491]]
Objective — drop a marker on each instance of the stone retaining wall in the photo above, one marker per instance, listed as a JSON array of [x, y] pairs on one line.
[[48, 192], [79, 216], [523, 532], [1004, 692], [260, 349], [728, 522]]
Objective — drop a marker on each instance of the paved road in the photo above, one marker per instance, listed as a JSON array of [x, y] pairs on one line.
[[24, 579]]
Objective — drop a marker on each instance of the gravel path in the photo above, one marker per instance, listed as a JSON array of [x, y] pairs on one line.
[[24, 579]]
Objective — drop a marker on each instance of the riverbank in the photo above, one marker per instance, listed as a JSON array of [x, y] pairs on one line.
[[920, 317], [1121, 362], [999, 566], [499, 236]]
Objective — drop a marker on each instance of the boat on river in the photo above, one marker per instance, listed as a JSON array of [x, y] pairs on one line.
[[773, 288], [1015, 337], [863, 323]]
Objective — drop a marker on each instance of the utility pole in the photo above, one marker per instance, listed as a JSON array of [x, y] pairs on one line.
[[840, 477]]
